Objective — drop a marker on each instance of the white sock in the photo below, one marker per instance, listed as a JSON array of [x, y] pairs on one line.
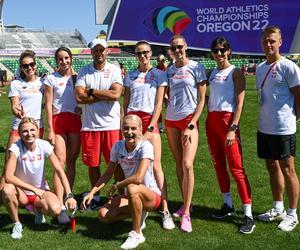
[[292, 211], [63, 207], [248, 210], [227, 199], [278, 205]]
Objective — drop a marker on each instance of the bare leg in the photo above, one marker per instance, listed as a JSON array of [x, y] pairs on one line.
[[276, 179]]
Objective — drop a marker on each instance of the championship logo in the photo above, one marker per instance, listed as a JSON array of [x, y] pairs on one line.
[[168, 17]]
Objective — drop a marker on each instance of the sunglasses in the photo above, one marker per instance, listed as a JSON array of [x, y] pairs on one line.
[[175, 47], [26, 66], [221, 50], [144, 53]]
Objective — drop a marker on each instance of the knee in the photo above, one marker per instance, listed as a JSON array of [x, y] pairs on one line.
[[132, 190], [55, 209], [103, 216], [188, 166], [8, 191]]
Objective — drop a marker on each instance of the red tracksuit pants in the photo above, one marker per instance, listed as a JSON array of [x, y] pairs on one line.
[[217, 126]]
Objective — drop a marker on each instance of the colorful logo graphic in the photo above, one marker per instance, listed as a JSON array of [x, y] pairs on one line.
[[168, 17]]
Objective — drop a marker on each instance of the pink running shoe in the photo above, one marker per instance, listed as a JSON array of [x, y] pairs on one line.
[[186, 224], [180, 212]]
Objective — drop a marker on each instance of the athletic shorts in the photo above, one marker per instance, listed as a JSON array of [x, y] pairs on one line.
[[95, 142], [180, 124], [146, 119], [66, 123], [30, 199], [16, 133], [276, 147]]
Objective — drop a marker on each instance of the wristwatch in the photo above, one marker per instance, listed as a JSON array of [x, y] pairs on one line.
[[191, 126], [68, 196], [90, 92], [150, 128], [233, 127]]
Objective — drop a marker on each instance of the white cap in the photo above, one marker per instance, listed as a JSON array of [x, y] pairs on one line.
[[97, 41]]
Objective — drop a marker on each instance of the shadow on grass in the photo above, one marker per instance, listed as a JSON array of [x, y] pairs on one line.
[[2, 149]]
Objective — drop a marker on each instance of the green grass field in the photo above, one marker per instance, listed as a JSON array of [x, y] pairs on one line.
[[207, 233]]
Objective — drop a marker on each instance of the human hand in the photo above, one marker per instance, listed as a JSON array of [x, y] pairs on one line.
[[71, 204], [230, 138], [148, 135], [187, 137], [87, 200], [51, 137], [40, 193]]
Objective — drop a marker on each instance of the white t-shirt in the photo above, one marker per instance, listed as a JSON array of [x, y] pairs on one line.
[[101, 115], [63, 93], [30, 165], [143, 87], [182, 82], [277, 111], [222, 92], [129, 162], [30, 98]]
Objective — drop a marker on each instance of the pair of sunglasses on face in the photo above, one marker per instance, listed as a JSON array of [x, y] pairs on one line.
[[144, 53], [27, 65], [176, 47], [220, 50]]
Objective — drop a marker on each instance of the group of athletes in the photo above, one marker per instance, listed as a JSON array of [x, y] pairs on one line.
[[84, 109]]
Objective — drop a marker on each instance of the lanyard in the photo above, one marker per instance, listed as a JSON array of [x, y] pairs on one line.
[[272, 67]]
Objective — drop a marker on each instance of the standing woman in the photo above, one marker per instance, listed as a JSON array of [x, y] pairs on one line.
[[26, 94], [227, 92], [143, 96], [187, 86], [64, 122]]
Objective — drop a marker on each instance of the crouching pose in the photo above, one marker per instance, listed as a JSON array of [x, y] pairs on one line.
[[25, 181], [135, 157]]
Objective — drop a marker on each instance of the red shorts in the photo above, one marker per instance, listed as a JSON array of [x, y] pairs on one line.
[[30, 199], [146, 119], [180, 124], [157, 200], [95, 142], [66, 123], [16, 133]]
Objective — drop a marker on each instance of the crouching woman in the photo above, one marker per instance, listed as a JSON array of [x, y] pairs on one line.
[[135, 156], [25, 180]]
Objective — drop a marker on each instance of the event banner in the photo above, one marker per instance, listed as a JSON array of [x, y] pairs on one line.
[[201, 21]]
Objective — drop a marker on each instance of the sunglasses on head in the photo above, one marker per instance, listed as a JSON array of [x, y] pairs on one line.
[[27, 65], [175, 47], [221, 50], [144, 53]]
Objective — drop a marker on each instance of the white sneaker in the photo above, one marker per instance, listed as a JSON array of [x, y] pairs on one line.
[[39, 218], [168, 223], [272, 215], [288, 223], [143, 219], [17, 231], [133, 240], [63, 217]]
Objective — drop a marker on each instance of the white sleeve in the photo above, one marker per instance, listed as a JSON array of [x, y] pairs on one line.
[[162, 78], [47, 148], [13, 89], [293, 77], [117, 76], [81, 78], [114, 152], [49, 81], [15, 149], [200, 73], [127, 80], [147, 151]]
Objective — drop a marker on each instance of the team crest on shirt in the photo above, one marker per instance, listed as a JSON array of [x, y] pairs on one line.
[[106, 73]]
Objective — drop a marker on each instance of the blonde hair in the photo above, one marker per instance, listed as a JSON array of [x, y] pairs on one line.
[[271, 29], [136, 119], [27, 120]]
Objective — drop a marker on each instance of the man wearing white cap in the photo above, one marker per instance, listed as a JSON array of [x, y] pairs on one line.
[[99, 86]]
